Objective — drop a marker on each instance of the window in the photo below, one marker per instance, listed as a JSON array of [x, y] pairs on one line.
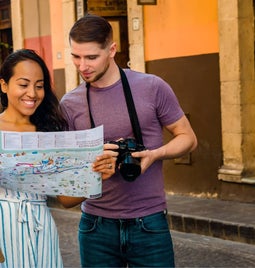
[[5, 17]]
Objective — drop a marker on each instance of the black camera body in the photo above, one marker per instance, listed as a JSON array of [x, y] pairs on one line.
[[129, 166]]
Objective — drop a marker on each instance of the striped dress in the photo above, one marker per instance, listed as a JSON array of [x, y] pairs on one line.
[[28, 234]]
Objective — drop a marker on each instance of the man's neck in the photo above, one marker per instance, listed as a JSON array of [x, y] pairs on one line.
[[111, 76]]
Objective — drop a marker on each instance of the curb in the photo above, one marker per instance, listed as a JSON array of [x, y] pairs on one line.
[[210, 227]]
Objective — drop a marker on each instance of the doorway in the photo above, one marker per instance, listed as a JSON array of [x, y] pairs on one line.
[[5, 30], [114, 11]]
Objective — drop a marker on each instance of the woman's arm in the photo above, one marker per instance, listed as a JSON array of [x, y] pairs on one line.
[[70, 201]]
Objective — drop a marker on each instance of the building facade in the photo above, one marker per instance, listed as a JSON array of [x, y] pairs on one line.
[[203, 49]]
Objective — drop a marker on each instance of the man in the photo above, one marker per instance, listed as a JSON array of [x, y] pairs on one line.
[[127, 226]]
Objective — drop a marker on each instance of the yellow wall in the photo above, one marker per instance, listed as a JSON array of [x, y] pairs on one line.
[[36, 18], [176, 28]]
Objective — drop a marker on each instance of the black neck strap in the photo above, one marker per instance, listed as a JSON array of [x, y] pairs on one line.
[[130, 105]]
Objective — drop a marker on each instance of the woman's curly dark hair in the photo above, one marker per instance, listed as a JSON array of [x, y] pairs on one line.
[[47, 116]]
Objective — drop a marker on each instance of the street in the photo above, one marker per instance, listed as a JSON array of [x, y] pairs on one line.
[[191, 250]]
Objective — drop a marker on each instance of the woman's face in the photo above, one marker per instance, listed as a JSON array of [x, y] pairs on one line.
[[25, 89]]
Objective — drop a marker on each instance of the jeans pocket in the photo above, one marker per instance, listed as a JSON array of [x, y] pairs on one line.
[[156, 224], [87, 224]]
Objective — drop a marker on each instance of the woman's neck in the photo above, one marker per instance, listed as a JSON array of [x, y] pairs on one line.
[[11, 122]]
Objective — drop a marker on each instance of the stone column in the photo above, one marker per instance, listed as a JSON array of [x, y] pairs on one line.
[[17, 32], [71, 75], [236, 38], [136, 36]]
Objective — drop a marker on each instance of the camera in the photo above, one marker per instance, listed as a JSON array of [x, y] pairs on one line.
[[129, 166]]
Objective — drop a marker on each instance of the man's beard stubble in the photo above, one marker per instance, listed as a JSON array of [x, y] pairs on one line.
[[98, 76]]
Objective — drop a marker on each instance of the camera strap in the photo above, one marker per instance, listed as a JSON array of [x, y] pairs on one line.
[[130, 105]]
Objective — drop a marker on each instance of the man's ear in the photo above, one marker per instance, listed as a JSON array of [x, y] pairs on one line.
[[113, 49], [3, 86]]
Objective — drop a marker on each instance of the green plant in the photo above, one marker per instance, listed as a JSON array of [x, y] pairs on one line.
[[5, 45]]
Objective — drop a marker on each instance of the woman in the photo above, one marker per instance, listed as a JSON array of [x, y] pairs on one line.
[[28, 235]]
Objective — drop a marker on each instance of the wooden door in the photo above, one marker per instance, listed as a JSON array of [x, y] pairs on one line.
[[114, 11], [5, 30], [120, 36]]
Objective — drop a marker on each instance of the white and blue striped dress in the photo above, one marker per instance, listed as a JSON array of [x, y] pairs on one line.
[[28, 234]]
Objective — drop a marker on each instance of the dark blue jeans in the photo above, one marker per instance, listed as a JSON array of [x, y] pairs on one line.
[[141, 242]]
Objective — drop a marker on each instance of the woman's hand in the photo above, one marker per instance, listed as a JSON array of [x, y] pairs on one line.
[[106, 163]]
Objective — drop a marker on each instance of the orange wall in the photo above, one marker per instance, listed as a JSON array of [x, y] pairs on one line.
[[176, 28], [37, 29], [42, 45], [57, 34]]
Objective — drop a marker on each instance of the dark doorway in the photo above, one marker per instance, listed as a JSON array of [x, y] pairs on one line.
[[115, 11], [5, 29], [120, 35]]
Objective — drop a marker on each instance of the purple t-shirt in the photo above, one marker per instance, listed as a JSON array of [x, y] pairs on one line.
[[156, 106]]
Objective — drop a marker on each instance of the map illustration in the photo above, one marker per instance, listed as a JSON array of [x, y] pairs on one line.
[[63, 168]]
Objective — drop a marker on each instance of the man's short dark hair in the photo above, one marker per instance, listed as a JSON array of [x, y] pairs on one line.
[[91, 28]]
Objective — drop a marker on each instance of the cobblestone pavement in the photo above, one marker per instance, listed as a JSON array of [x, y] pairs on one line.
[[191, 250], [67, 223]]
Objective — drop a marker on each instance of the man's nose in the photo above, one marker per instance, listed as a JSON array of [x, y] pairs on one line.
[[83, 65]]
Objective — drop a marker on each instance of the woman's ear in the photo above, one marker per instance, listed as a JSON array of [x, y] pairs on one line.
[[3, 86]]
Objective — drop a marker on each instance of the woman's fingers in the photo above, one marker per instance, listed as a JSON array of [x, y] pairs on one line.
[[105, 164]]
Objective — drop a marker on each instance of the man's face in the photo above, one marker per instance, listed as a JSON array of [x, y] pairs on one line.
[[92, 61]]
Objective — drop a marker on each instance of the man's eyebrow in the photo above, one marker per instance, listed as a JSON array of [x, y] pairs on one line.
[[87, 56]]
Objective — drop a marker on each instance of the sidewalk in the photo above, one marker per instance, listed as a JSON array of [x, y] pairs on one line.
[[212, 217]]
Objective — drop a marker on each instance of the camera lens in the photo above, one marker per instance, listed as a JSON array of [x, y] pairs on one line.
[[130, 168]]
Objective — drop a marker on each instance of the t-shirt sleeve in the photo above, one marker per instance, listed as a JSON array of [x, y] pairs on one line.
[[66, 113], [168, 107]]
